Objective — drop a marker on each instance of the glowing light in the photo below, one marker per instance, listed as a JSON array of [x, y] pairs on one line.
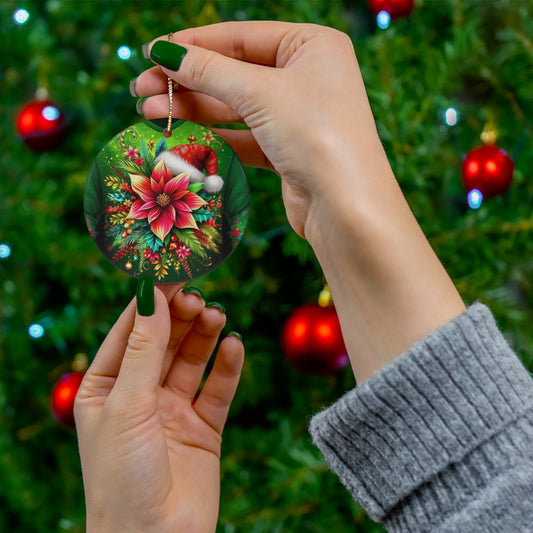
[[124, 52], [5, 251], [472, 167], [65, 394], [299, 330], [26, 121], [491, 166], [50, 112], [21, 16], [36, 331], [324, 331], [451, 116], [475, 198], [383, 20]]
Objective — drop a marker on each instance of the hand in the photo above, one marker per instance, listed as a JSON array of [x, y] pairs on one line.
[[314, 102], [299, 89], [149, 452]]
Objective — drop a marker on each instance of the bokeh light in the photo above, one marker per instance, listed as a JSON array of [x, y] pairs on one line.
[[124, 52], [50, 112], [5, 251], [475, 199], [383, 20], [451, 116], [36, 331], [21, 16]]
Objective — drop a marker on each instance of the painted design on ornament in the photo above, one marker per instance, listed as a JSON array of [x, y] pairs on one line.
[[172, 207]]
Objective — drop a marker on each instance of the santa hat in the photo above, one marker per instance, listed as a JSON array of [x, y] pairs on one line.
[[194, 159]]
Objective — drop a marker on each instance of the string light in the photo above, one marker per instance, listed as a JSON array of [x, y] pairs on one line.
[[5, 251], [383, 20], [124, 52], [451, 116], [50, 112], [475, 199], [36, 331], [21, 16]]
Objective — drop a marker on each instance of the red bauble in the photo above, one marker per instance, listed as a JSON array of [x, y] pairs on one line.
[[41, 125], [63, 396], [312, 340], [488, 169], [395, 8]]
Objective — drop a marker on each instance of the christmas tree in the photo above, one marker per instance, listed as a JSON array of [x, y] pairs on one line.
[[436, 78]]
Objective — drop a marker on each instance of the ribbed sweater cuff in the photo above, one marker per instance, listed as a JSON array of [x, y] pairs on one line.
[[420, 430]]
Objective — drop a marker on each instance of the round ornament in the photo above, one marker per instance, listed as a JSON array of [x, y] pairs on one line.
[[395, 8], [488, 169], [312, 340], [41, 125], [63, 396], [172, 204]]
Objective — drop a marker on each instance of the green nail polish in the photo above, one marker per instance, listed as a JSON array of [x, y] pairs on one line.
[[167, 54], [192, 290], [145, 296], [220, 307], [235, 334], [133, 92], [139, 105]]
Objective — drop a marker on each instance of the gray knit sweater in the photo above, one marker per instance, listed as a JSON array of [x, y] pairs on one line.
[[440, 440]]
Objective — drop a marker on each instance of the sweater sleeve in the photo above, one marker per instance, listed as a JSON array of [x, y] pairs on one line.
[[440, 440]]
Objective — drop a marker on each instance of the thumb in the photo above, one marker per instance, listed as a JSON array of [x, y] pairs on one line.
[[141, 367], [229, 80]]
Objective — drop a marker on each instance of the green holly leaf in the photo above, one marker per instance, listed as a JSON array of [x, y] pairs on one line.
[[202, 215], [195, 187]]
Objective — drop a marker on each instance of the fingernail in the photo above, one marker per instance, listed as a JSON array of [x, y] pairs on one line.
[[167, 54], [146, 50], [139, 105], [145, 296], [235, 334], [192, 290], [220, 307], [133, 92]]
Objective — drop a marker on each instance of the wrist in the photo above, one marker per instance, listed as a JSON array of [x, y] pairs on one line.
[[349, 194], [388, 285]]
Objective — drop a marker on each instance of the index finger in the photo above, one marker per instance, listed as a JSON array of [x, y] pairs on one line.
[[251, 41]]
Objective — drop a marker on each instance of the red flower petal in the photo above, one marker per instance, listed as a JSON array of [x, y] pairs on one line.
[[184, 219], [157, 186], [178, 185], [193, 200], [142, 187], [171, 212], [161, 173], [149, 205], [162, 226], [154, 214], [181, 206], [137, 210]]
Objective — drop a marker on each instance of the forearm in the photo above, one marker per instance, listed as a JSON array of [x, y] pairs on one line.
[[388, 286]]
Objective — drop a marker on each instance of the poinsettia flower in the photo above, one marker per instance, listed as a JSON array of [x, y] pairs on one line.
[[131, 153], [164, 200]]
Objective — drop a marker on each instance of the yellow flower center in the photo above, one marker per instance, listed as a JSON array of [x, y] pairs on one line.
[[162, 199]]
